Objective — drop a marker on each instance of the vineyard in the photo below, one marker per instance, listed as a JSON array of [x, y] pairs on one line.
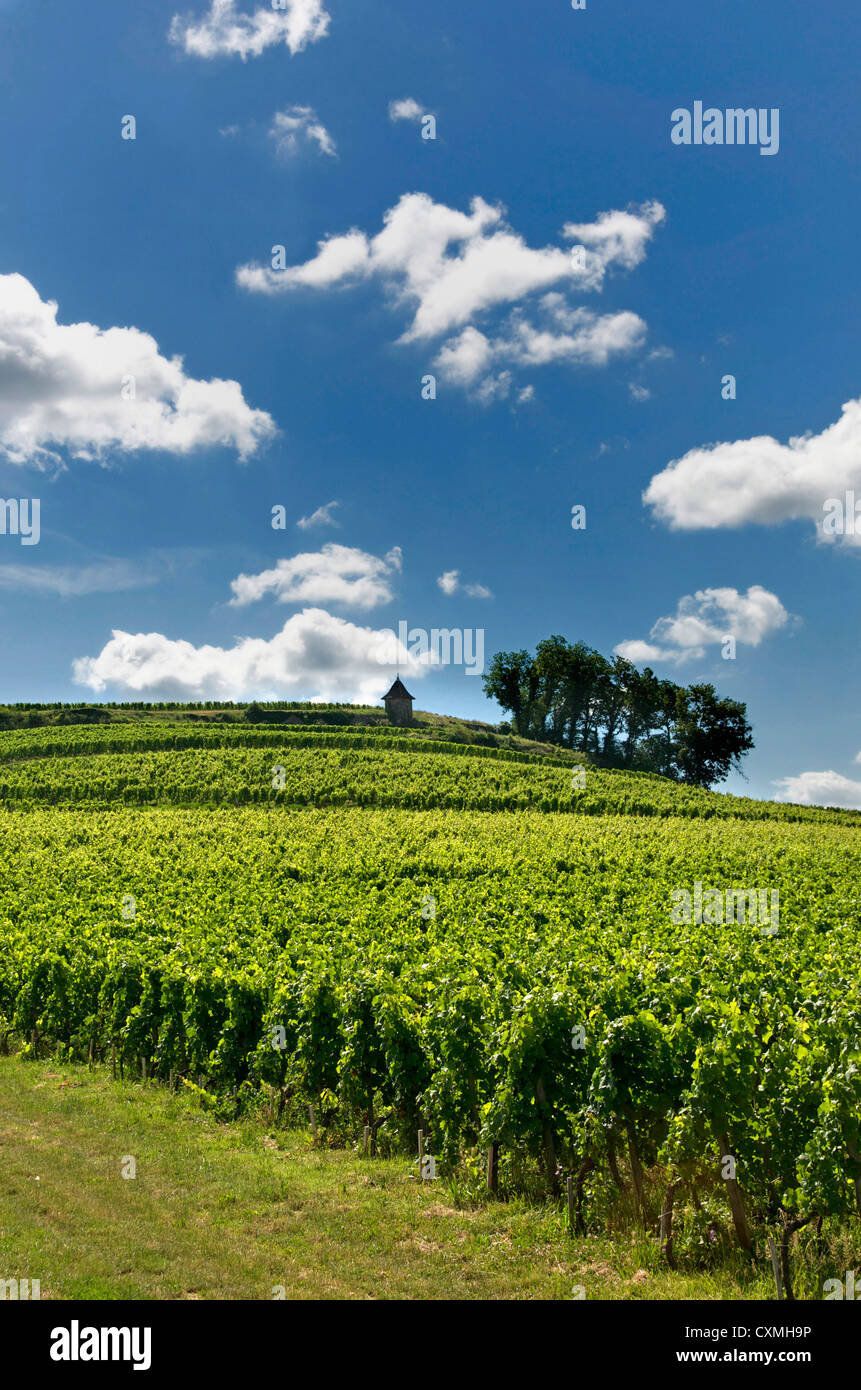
[[160, 766], [418, 934]]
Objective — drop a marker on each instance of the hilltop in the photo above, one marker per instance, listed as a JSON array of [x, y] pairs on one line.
[[289, 714]]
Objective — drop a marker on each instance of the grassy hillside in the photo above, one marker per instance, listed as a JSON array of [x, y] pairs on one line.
[[291, 714], [413, 932], [255, 1211]]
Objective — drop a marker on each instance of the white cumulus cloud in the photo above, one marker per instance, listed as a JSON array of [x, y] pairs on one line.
[[450, 583], [321, 517], [762, 481], [407, 109], [445, 268], [315, 656], [617, 238], [66, 387], [335, 574], [705, 619], [562, 334], [225, 31], [299, 126], [820, 789]]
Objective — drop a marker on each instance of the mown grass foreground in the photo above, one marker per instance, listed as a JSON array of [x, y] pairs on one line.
[[242, 1211]]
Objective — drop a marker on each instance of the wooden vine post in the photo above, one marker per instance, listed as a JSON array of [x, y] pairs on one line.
[[493, 1169], [775, 1264]]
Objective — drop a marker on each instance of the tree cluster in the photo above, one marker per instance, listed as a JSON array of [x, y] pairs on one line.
[[573, 696]]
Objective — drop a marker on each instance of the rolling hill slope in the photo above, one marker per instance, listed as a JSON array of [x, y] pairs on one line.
[[163, 764], [622, 981]]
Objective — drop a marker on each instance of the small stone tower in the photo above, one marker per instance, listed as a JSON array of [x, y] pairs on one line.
[[399, 703]]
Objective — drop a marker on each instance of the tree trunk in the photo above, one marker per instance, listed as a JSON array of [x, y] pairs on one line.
[[788, 1230], [667, 1223], [550, 1164], [736, 1201], [585, 1167], [636, 1170], [614, 1167], [375, 1125], [856, 1158]]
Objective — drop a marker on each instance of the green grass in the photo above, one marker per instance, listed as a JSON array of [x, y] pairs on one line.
[[235, 1211]]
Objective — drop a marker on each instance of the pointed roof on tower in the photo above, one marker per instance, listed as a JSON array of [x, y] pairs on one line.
[[398, 691]]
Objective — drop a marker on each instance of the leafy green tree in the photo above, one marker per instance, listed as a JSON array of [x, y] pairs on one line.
[[586, 667], [612, 702], [513, 682], [574, 697], [552, 711], [713, 735]]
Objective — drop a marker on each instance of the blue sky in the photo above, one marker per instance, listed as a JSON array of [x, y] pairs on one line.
[[558, 382]]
